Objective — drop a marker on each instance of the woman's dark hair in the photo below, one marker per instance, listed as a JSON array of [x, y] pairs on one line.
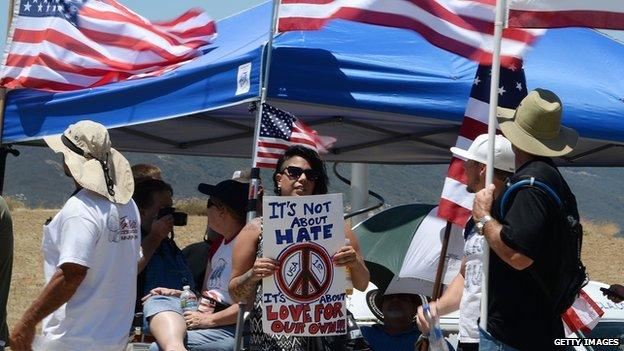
[[313, 158], [144, 192]]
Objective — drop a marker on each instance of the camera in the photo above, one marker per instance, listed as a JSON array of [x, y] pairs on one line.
[[179, 218]]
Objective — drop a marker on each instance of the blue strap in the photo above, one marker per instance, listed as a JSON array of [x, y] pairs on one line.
[[528, 182]]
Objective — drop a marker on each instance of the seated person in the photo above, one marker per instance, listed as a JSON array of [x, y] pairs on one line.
[[397, 312], [143, 171], [163, 264], [212, 327]]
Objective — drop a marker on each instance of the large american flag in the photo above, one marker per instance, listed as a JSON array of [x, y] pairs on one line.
[[465, 27], [456, 202], [607, 14], [279, 130], [62, 45]]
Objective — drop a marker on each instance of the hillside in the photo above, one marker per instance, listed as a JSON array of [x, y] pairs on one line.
[[36, 178], [601, 253]]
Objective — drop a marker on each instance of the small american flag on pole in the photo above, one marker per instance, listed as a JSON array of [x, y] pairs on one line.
[[456, 201], [279, 130], [62, 45], [583, 315]]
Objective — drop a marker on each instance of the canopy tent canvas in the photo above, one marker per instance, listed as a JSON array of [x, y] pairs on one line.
[[386, 94]]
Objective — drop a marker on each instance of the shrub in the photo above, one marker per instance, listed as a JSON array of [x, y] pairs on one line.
[[14, 203], [193, 206]]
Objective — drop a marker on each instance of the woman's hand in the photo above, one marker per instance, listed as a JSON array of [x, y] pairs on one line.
[[345, 256], [262, 268], [198, 320], [162, 292]]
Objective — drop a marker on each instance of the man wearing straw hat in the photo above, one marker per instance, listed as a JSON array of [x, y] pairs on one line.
[[91, 249], [527, 241]]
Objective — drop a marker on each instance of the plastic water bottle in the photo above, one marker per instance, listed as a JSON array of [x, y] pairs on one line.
[[436, 337], [349, 282], [188, 299]]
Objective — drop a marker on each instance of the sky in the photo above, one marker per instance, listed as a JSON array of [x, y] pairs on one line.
[[159, 9]]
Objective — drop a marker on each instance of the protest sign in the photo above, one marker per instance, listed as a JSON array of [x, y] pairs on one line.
[[306, 296]]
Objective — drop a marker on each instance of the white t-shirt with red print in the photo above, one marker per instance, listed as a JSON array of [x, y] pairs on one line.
[[105, 237]]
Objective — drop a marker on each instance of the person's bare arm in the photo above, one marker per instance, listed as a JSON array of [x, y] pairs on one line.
[[58, 291], [351, 256], [247, 271], [447, 303], [492, 231]]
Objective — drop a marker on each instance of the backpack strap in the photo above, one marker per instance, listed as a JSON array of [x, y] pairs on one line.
[[552, 194], [530, 182]]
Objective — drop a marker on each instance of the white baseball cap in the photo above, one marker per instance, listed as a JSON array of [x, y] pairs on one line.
[[503, 154]]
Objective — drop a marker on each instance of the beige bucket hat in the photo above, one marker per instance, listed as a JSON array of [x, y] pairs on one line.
[[93, 163], [535, 126]]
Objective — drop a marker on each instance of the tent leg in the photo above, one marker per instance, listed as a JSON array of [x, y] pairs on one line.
[[359, 190], [5, 150]]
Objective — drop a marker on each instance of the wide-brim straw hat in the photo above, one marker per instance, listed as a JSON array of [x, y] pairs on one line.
[[535, 126], [92, 162]]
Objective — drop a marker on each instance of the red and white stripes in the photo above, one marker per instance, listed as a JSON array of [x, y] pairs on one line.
[[456, 201], [107, 42], [608, 14], [464, 27], [583, 315], [270, 149]]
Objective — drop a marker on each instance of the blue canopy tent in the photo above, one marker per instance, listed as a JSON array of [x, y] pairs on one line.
[[386, 94]]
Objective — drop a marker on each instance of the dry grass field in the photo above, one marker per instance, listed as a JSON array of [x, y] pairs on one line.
[[602, 251]]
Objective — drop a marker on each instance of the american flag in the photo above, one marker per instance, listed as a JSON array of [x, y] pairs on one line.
[[62, 45], [583, 315], [279, 130], [608, 14], [456, 202], [464, 27]]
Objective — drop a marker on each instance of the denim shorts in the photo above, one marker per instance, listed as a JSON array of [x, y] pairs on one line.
[[159, 303]]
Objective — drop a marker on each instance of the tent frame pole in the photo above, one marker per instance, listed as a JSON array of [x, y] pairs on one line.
[[4, 150], [254, 182], [492, 124]]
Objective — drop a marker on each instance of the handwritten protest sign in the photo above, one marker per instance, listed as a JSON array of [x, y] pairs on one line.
[[306, 296]]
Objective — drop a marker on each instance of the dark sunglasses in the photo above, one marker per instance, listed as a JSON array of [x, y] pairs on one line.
[[296, 172]]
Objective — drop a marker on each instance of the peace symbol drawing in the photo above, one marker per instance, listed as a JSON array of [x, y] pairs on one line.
[[305, 272]]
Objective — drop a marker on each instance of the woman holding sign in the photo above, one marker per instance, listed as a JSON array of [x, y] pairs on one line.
[[299, 172]]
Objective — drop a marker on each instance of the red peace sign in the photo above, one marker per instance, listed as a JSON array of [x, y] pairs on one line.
[[305, 272]]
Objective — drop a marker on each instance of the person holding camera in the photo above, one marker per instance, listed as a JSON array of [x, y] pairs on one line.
[[212, 326], [163, 264]]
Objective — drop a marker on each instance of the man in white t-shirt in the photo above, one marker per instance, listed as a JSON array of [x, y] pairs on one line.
[[464, 292], [212, 326], [91, 249]]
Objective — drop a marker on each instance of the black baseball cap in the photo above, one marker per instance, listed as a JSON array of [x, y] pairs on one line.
[[230, 192]]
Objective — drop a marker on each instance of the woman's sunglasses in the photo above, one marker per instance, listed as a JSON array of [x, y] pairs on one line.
[[296, 172]]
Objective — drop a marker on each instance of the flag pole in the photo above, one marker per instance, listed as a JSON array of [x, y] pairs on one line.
[[3, 151], [254, 181], [437, 285], [492, 123]]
